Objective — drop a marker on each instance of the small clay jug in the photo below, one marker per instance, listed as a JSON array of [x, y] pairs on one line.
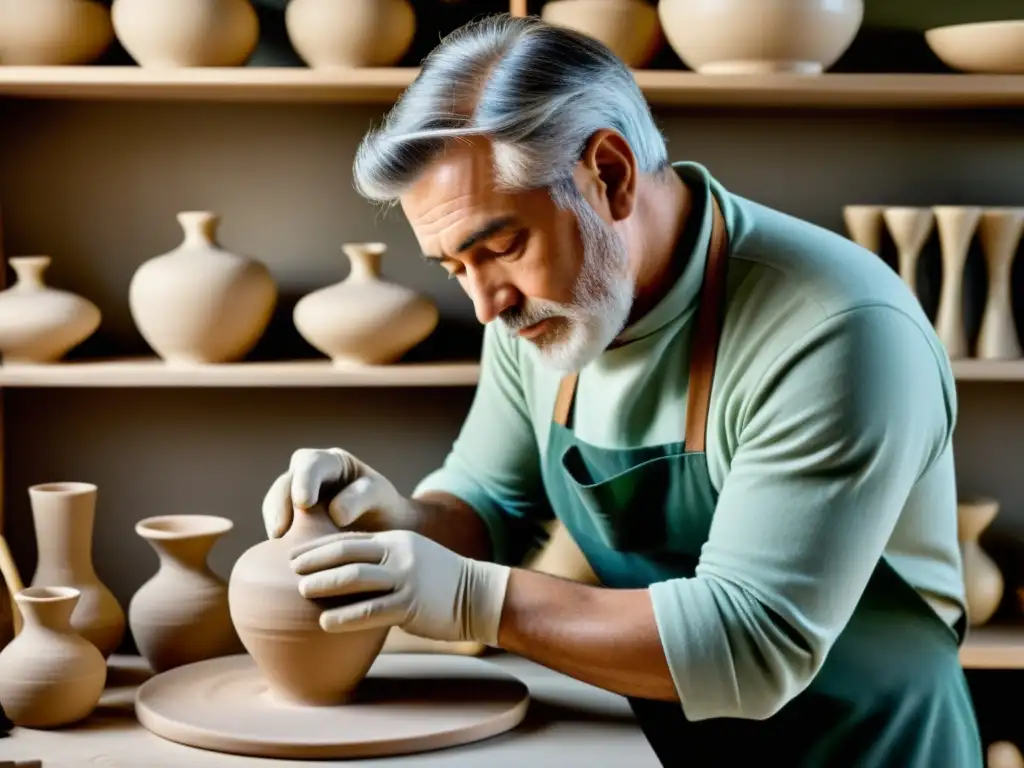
[[180, 615], [64, 515], [49, 675], [40, 324], [364, 319], [280, 628], [200, 303], [983, 580]]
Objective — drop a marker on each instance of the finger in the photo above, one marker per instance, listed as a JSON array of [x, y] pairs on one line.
[[386, 611], [308, 546], [355, 500], [348, 579], [310, 471], [277, 507], [336, 553]]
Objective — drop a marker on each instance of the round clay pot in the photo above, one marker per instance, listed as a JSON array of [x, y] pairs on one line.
[[630, 28], [40, 324], [54, 32], [172, 34], [49, 675], [350, 33], [281, 630], [364, 320], [757, 37], [199, 303], [180, 615]]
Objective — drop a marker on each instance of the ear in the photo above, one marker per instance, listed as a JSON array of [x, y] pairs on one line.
[[607, 174]]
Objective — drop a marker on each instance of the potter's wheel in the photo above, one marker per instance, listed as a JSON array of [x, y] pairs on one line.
[[407, 703]]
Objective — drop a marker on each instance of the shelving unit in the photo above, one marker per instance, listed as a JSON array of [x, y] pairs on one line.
[[270, 98]]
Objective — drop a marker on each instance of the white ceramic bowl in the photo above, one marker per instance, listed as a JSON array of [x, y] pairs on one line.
[[630, 28], [995, 47], [757, 37]]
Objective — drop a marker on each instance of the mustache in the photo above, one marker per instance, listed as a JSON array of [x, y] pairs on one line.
[[522, 316]]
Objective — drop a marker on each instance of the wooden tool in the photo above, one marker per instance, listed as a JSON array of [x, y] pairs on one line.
[[9, 572]]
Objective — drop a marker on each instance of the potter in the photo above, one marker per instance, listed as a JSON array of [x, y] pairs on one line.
[[743, 420]]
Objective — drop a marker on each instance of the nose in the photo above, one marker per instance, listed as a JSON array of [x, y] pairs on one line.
[[490, 296]]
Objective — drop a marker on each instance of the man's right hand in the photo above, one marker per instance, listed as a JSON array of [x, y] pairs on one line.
[[351, 490]]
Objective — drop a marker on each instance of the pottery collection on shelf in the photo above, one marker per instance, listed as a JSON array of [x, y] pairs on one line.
[[998, 231], [202, 304]]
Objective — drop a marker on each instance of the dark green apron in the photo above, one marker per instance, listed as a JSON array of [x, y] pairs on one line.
[[890, 694]]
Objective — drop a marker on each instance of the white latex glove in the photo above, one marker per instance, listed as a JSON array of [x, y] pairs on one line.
[[353, 490], [421, 586]]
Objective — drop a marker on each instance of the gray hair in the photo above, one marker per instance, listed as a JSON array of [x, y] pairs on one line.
[[538, 92]]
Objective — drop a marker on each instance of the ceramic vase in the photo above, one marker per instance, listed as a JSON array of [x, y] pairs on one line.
[[50, 33], [300, 662], [864, 226], [173, 34], [64, 515], [758, 37], [180, 615], [350, 33], [1000, 233], [909, 228], [629, 28], [200, 303], [957, 224], [49, 675], [983, 580], [365, 320], [40, 324]]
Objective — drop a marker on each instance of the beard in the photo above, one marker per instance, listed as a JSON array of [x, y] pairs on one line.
[[602, 298]]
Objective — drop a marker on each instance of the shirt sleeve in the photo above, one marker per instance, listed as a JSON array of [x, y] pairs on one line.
[[840, 429], [494, 463]]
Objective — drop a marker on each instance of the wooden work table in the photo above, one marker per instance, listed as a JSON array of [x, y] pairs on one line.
[[568, 724]]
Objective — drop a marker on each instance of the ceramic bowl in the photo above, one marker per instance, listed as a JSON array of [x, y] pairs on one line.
[[995, 47]]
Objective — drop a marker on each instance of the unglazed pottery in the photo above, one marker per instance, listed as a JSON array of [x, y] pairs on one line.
[[40, 324], [173, 34], [350, 33], [365, 320], [909, 228], [280, 628], [983, 580], [864, 226], [180, 615], [49, 675], [630, 28], [53, 32], [64, 515], [757, 37], [957, 224], [1003, 754], [200, 303], [406, 704], [1000, 233], [984, 47]]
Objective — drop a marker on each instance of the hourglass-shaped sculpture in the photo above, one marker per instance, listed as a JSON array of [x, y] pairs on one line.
[[909, 228], [983, 581], [957, 224], [999, 232], [864, 226]]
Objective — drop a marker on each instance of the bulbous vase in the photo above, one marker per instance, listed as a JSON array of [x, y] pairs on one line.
[[180, 615], [281, 630], [49, 675], [365, 320]]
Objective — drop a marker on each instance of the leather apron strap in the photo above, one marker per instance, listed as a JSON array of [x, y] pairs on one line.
[[704, 350]]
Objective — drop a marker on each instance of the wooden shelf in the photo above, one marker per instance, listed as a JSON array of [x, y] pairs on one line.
[[993, 647], [372, 85], [148, 372], [989, 370]]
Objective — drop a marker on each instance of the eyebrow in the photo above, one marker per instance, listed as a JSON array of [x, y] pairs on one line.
[[490, 229]]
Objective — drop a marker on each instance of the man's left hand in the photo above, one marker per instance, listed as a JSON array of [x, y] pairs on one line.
[[412, 582]]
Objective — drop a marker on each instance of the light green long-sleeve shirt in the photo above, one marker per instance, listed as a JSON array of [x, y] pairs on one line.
[[829, 442]]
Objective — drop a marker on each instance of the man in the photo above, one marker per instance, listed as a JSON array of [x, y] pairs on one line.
[[743, 420]]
